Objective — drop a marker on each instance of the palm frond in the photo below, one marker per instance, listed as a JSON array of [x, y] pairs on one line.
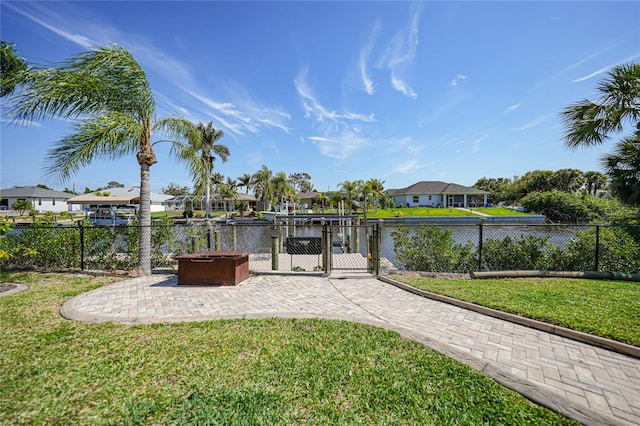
[[112, 135], [90, 83]]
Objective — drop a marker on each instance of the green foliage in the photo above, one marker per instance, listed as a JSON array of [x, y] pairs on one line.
[[527, 252], [559, 206], [617, 251], [22, 206], [431, 248], [40, 246], [11, 65]]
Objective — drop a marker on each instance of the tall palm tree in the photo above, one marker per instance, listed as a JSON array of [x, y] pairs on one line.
[[200, 155], [245, 180], [261, 183], [106, 93], [618, 107]]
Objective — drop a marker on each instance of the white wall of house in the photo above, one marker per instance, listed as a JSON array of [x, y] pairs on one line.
[[42, 205], [437, 200], [419, 200]]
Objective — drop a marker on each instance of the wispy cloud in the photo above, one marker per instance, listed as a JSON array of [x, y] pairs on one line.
[[457, 80], [342, 146], [239, 118], [513, 107], [401, 52], [339, 134], [317, 111], [365, 54], [607, 68], [411, 166], [49, 20], [530, 124]]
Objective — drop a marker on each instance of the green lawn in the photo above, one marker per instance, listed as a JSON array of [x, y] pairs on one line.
[[272, 371], [608, 309], [435, 212]]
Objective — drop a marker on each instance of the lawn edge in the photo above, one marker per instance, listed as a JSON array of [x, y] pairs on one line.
[[579, 336]]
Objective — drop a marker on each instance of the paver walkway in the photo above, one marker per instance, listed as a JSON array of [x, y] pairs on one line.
[[592, 385]]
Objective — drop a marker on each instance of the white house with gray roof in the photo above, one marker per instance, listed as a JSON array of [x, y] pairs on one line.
[[438, 194], [42, 200]]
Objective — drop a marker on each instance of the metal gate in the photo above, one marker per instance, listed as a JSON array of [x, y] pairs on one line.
[[354, 247]]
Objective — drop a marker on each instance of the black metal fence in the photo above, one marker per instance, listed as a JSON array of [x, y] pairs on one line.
[[379, 247]]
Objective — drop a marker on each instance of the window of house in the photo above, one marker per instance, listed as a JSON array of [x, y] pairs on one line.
[[416, 199], [54, 201], [39, 201], [429, 197]]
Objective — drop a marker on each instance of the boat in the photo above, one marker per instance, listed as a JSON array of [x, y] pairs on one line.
[[111, 216]]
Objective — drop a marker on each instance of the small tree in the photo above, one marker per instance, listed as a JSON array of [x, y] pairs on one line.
[[22, 206]]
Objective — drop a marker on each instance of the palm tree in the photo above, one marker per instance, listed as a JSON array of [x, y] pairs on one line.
[[568, 180], [245, 180], [282, 188], [623, 168], [376, 188], [322, 199], [199, 158], [594, 181], [227, 192], [11, 67], [350, 189], [107, 93], [592, 123], [336, 198], [261, 182]]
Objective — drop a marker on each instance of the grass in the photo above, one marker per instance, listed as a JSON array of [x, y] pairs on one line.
[[608, 309], [272, 371], [439, 212]]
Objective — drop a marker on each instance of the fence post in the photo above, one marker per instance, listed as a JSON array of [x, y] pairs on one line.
[[80, 222], [355, 239], [275, 252], [377, 233], [327, 245], [216, 239], [597, 251], [234, 236], [480, 244]]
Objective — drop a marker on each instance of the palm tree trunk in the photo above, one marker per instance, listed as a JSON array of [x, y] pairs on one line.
[[144, 242], [207, 201]]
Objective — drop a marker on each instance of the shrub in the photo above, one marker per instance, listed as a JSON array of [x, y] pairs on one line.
[[431, 249], [617, 251], [515, 253]]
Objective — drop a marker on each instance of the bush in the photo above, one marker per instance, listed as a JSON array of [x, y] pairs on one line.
[[617, 252], [526, 253], [431, 249], [40, 246]]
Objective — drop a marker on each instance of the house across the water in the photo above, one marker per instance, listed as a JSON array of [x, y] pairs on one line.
[[438, 194]]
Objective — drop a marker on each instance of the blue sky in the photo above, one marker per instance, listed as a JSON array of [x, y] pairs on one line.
[[398, 91]]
